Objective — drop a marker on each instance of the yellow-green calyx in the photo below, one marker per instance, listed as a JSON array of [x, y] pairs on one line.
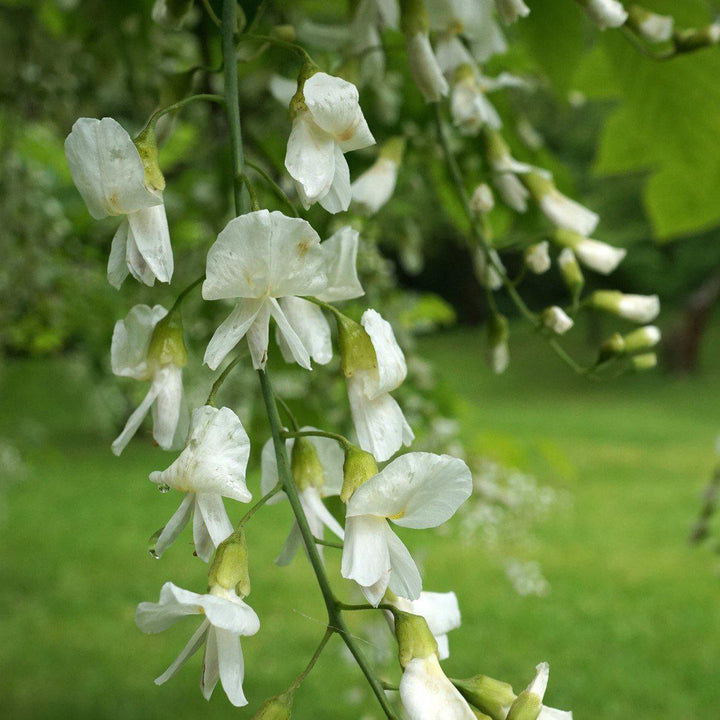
[[229, 567], [608, 300], [464, 72], [276, 708], [146, 144], [306, 467], [495, 147], [413, 637], [356, 348], [646, 361], [297, 103], [498, 330], [413, 17], [359, 466], [492, 697], [167, 345], [393, 149], [538, 185], [615, 345], [571, 272], [527, 706], [567, 238]]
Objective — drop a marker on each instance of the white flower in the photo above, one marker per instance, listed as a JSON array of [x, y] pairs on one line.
[[606, 13], [596, 255], [514, 194], [376, 185], [133, 355], [537, 257], [339, 253], [226, 618], [469, 106], [637, 308], [379, 422], [282, 89], [482, 200], [511, 10], [417, 490], [331, 458], [651, 26], [427, 694], [557, 320], [260, 257], [441, 612], [107, 169], [451, 53], [505, 170], [212, 466], [559, 209], [327, 124], [424, 68]]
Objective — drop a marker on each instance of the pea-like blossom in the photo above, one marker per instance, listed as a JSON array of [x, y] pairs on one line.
[[339, 253], [378, 419], [556, 319], [469, 105], [258, 259], [109, 173], [331, 458], [596, 255], [146, 347], [226, 618], [328, 122], [417, 490], [212, 466]]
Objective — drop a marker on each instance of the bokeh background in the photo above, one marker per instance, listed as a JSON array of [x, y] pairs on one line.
[[575, 547]]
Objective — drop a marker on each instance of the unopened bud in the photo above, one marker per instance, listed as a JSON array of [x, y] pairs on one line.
[[528, 704], [557, 320], [146, 144], [488, 695], [482, 201], [307, 470], [537, 257], [276, 708], [643, 338], [167, 345], [413, 637], [646, 361], [638, 308], [649, 25], [356, 348], [605, 13], [359, 466], [571, 272], [229, 567], [612, 347]]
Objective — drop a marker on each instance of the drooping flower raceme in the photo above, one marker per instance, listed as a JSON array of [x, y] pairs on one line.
[[327, 123], [339, 253], [258, 258], [212, 466], [417, 490], [226, 618], [378, 419], [148, 345], [108, 170], [316, 477]]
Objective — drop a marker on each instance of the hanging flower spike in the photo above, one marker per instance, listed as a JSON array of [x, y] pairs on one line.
[[327, 122], [148, 345], [226, 619], [417, 490], [117, 177], [440, 610], [339, 252], [376, 185], [374, 366], [212, 466], [313, 484], [260, 257]]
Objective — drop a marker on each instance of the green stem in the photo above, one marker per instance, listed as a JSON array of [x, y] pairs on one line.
[[279, 192], [289, 413], [329, 543], [181, 104], [211, 13], [185, 293], [301, 677], [223, 376], [248, 515], [366, 606], [293, 47], [335, 618], [319, 433]]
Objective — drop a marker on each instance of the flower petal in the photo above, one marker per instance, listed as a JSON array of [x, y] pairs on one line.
[[135, 420], [153, 617], [337, 198], [295, 345], [375, 186], [117, 269], [204, 546], [258, 336], [231, 666], [193, 645], [314, 506], [211, 669], [234, 615], [149, 230], [166, 410], [391, 365], [340, 255], [416, 490], [405, 578], [231, 331], [365, 558], [175, 525], [214, 516], [131, 341], [310, 159], [310, 326], [290, 548], [441, 610]]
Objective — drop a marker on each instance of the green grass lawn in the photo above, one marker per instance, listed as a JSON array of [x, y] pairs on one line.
[[631, 627]]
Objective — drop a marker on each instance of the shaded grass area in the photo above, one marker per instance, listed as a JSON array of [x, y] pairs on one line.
[[631, 627]]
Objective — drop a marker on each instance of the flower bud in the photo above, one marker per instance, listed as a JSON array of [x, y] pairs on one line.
[[413, 637], [511, 10], [605, 13], [649, 25], [276, 708], [643, 338], [482, 201], [612, 347], [498, 333], [356, 348], [528, 704], [307, 470], [637, 308], [167, 345], [146, 144], [229, 567], [646, 361], [358, 467], [557, 320], [571, 272], [493, 697], [596, 255], [537, 257]]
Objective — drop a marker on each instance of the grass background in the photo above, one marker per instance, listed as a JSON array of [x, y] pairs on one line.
[[631, 627]]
